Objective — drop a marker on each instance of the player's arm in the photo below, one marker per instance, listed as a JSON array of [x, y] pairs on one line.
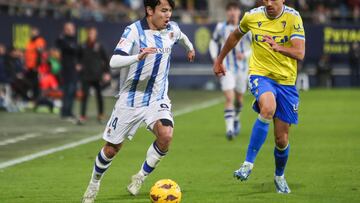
[[124, 60], [230, 43], [297, 40], [295, 51], [122, 57], [185, 42]]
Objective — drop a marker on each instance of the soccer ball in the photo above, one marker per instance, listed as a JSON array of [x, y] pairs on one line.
[[165, 191]]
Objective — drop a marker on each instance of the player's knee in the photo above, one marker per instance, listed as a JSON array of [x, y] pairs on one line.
[[165, 135], [281, 142], [111, 150], [267, 111]]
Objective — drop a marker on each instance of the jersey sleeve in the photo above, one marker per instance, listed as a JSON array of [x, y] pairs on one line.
[[177, 31], [297, 29], [243, 26], [126, 42]]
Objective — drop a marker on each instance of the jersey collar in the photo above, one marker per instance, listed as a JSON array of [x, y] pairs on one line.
[[144, 24], [283, 9]]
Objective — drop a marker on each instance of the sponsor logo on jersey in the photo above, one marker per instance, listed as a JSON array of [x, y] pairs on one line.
[[277, 39], [298, 28]]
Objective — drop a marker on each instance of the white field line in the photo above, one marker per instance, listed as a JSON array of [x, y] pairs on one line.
[[29, 136], [19, 138], [95, 137]]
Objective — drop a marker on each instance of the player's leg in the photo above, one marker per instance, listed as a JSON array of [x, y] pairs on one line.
[[163, 129], [117, 129], [227, 85], [285, 115], [267, 105], [160, 122], [281, 153], [229, 113], [102, 163]]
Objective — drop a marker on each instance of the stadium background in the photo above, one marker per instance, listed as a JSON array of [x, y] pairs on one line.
[[46, 159]]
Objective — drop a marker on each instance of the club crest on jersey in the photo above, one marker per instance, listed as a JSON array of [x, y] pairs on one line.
[[259, 24], [171, 35], [283, 24]]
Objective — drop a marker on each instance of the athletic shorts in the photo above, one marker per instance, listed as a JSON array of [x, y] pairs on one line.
[[287, 97], [125, 121], [234, 81]]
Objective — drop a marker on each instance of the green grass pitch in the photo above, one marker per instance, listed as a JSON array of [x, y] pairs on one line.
[[324, 162]]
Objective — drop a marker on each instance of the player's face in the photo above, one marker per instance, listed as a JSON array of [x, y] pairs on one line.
[[273, 7], [161, 15], [233, 14]]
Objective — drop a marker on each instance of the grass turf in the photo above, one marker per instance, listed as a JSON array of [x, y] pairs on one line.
[[324, 163]]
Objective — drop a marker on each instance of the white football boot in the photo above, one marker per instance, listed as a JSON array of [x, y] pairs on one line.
[[281, 185], [91, 192], [136, 182]]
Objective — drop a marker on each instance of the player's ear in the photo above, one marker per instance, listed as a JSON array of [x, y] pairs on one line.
[[149, 11]]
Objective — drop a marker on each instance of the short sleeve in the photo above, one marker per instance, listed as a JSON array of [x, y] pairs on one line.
[[174, 27], [297, 29], [126, 42], [243, 26]]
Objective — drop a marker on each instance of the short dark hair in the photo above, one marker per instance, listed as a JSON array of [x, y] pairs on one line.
[[232, 4], [154, 3]]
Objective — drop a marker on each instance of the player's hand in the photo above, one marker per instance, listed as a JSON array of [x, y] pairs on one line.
[[219, 68], [272, 43], [240, 56], [145, 52], [191, 55]]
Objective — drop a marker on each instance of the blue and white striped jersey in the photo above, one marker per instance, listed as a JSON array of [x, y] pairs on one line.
[[220, 34], [147, 80]]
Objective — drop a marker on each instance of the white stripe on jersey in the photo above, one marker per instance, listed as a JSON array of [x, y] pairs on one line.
[[221, 33], [147, 80]]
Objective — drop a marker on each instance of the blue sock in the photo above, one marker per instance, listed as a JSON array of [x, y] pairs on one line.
[[257, 139], [281, 157]]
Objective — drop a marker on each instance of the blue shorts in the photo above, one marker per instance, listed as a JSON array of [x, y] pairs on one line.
[[287, 97]]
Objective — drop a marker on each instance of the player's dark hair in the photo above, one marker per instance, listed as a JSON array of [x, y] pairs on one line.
[[232, 4], [153, 3]]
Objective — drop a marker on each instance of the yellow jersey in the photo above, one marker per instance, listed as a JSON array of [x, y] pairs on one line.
[[264, 61]]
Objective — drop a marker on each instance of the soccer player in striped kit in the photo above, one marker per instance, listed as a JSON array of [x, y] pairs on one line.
[[234, 83], [145, 47]]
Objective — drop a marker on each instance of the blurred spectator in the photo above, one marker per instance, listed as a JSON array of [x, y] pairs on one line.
[[54, 61], [33, 52], [95, 68], [324, 69], [67, 44], [48, 83], [321, 15], [15, 72], [354, 62]]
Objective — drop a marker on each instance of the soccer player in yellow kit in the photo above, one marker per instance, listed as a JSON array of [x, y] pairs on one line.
[[278, 42]]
